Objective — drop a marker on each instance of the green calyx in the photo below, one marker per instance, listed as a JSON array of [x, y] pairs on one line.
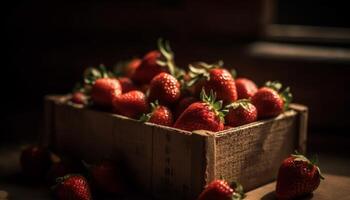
[[91, 74], [200, 70], [311, 163], [145, 117], [238, 193], [286, 95], [244, 103], [215, 106], [167, 58]]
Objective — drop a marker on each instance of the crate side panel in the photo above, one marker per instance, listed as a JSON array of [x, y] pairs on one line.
[[171, 164], [252, 155], [83, 133], [133, 143]]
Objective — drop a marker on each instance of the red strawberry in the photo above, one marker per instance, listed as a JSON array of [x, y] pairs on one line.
[[245, 88], [183, 104], [72, 187], [221, 190], [131, 67], [213, 78], [241, 112], [202, 115], [269, 102], [160, 115], [165, 88], [153, 63], [131, 104], [79, 98], [126, 84], [104, 90], [35, 162], [107, 178], [297, 176]]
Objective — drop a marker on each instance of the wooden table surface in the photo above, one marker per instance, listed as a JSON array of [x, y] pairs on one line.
[[336, 186]]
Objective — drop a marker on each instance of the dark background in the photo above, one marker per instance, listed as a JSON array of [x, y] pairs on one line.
[[48, 44]]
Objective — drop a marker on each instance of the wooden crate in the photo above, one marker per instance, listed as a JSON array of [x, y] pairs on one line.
[[171, 162]]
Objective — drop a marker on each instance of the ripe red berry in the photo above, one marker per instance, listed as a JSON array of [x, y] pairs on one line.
[[131, 104], [297, 176], [126, 84], [245, 88], [161, 115], [165, 88], [72, 187], [241, 112], [104, 90], [183, 104], [221, 190], [79, 98]]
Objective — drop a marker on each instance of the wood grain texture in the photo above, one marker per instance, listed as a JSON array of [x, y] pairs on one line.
[[166, 160]]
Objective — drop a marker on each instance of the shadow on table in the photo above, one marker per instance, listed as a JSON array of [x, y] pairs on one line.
[[272, 196]]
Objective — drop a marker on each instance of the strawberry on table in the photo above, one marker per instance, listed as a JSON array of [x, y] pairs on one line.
[[35, 162], [297, 176], [161, 115], [131, 104], [202, 115], [221, 190], [269, 102], [246, 88], [153, 63], [212, 77], [72, 187], [165, 88], [240, 112]]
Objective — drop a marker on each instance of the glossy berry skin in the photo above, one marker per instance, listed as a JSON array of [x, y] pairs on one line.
[[104, 90], [72, 187], [241, 115], [79, 98], [183, 104], [126, 84], [131, 104], [107, 178], [131, 67], [148, 68], [246, 88], [222, 82], [165, 88], [268, 102], [217, 190], [296, 178], [162, 115], [35, 162], [199, 116]]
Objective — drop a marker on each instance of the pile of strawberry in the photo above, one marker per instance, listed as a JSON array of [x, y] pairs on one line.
[[206, 97], [72, 179]]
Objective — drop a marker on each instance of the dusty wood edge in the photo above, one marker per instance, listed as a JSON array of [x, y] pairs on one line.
[[210, 159], [303, 120]]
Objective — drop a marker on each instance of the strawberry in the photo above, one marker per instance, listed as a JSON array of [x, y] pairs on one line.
[[269, 102], [245, 88], [104, 86], [202, 115], [297, 176], [35, 162], [211, 77], [183, 104], [126, 84], [221, 190], [106, 177], [79, 98], [165, 88], [72, 187], [153, 63], [240, 112], [131, 67], [159, 115], [131, 104]]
